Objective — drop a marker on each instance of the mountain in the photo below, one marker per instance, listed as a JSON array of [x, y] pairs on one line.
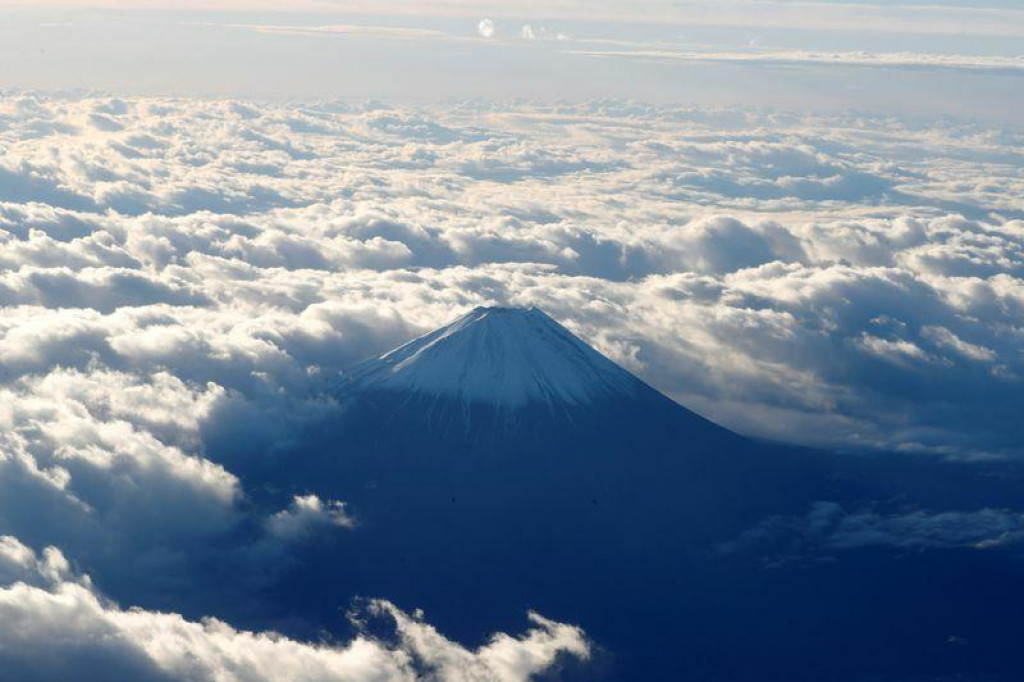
[[500, 464], [505, 357], [500, 372]]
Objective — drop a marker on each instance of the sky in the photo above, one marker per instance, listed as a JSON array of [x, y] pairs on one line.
[[802, 220], [825, 56]]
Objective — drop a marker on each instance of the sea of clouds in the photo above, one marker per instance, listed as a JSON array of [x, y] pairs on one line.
[[183, 279]]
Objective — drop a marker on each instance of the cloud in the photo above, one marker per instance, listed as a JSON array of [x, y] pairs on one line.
[[105, 465], [828, 528], [305, 515], [57, 625], [486, 28], [182, 282], [800, 254], [888, 60], [379, 32]]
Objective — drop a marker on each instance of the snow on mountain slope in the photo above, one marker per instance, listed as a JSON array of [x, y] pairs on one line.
[[503, 357]]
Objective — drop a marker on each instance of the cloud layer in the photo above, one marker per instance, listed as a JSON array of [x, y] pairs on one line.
[[57, 626], [840, 281], [828, 528], [181, 280], [887, 60]]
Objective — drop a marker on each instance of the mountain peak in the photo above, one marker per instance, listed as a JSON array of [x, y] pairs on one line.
[[503, 357]]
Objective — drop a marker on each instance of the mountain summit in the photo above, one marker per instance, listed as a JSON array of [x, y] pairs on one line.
[[498, 371], [507, 358]]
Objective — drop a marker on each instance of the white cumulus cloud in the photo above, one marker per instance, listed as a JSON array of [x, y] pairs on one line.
[[182, 281], [55, 625]]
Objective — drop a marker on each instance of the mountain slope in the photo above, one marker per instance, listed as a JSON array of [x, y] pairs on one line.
[[506, 357], [500, 372]]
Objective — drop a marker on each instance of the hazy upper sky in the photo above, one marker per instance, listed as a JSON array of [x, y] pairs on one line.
[[905, 58]]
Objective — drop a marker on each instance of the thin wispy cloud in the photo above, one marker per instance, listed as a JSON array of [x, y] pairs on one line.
[[828, 529], [1008, 65]]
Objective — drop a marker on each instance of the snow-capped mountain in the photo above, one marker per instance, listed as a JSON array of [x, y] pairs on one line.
[[500, 464], [505, 357], [502, 443], [495, 371]]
